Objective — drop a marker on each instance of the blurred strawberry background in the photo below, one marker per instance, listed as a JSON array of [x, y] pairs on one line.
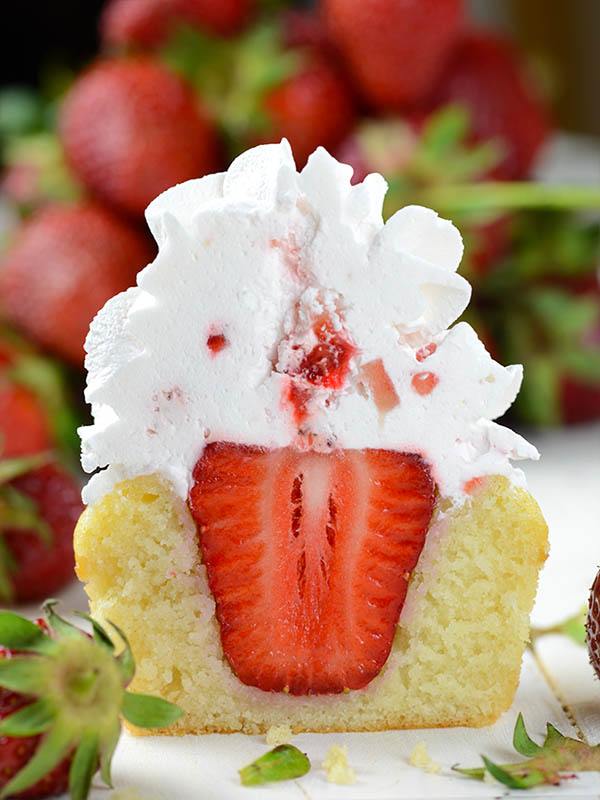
[[462, 106]]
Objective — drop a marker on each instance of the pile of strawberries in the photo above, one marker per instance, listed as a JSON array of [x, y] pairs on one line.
[[405, 87]]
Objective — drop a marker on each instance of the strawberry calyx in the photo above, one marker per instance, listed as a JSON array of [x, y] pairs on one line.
[[78, 689], [234, 76], [549, 763]]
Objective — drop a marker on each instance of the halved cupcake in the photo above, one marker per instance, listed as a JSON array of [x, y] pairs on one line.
[[307, 516]]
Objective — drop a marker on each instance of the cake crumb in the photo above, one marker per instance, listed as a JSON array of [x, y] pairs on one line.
[[421, 759], [278, 734], [336, 766]]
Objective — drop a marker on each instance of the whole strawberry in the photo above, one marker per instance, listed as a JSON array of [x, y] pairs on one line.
[[63, 693], [16, 753], [593, 625], [486, 76], [36, 413], [64, 264], [147, 23], [132, 129], [394, 49], [312, 107], [24, 427], [40, 504], [261, 90]]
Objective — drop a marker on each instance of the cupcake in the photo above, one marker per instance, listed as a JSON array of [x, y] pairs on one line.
[[301, 510]]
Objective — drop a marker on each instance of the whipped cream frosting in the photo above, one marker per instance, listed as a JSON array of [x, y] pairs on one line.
[[211, 342]]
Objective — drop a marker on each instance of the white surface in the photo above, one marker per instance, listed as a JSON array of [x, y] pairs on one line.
[[567, 484]]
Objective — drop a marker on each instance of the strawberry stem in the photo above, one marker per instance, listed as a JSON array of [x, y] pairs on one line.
[[509, 196]]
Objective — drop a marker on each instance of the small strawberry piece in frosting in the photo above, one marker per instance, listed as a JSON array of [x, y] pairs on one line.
[[298, 396], [216, 342], [426, 351], [327, 364], [381, 386], [424, 382], [471, 485]]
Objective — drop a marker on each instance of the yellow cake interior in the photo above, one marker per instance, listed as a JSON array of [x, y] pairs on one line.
[[457, 653]]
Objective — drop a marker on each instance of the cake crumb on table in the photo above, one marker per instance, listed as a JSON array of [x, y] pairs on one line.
[[421, 759], [278, 734], [336, 766]]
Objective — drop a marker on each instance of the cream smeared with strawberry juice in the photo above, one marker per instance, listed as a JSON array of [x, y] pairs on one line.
[[281, 311]]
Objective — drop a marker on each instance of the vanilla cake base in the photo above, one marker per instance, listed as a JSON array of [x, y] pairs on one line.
[[457, 652]]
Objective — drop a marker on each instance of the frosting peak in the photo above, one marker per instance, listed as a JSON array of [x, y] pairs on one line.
[[281, 310]]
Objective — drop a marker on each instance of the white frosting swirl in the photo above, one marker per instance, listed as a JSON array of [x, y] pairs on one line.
[[256, 255]]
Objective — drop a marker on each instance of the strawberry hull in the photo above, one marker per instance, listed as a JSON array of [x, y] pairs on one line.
[[309, 556]]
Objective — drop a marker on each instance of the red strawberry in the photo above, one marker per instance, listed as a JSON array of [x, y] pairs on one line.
[[485, 75], [304, 28], [328, 362], [593, 625], [67, 261], [24, 425], [395, 49], [222, 17], [132, 129], [63, 694], [38, 512], [16, 753], [147, 23], [308, 557], [491, 241], [579, 401], [311, 108]]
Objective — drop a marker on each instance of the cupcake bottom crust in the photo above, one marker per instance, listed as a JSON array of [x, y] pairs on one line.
[[457, 651]]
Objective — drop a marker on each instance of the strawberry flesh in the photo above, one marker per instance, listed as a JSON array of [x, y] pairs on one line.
[[328, 362], [42, 568], [308, 557]]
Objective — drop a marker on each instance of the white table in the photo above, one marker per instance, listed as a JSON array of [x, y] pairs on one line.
[[566, 482]]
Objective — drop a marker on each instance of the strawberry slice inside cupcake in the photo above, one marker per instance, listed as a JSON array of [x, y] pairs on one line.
[[309, 557]]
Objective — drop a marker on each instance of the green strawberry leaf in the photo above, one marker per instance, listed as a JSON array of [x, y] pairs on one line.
[[83, 766], [63, 674], [58, 624], [522, 741], [18, 512], [26, 675], [30, 720], [125, 658], [146, 711], [108, 747], [549, 761], [11, 468], [20, 112], [18, 633], [232, 76], [572, 627], [538, 401], [52, 749], [283, 763], [99, 634], [582, 363]]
